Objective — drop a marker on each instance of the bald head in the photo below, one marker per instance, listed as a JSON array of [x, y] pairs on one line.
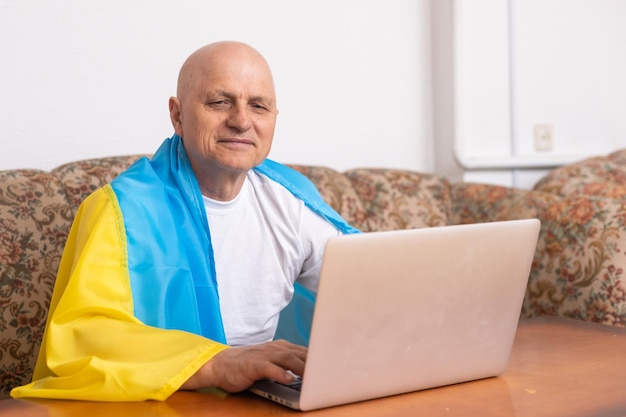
[[216, 56]]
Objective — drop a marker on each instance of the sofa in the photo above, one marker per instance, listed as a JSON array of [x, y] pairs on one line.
[[577, 270]]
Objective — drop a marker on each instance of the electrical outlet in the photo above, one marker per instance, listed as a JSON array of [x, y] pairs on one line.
[[544, 137]]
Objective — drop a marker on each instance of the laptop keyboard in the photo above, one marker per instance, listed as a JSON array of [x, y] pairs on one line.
[[295, 385]]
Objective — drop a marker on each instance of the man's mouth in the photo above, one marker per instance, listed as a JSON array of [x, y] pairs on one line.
[[237, 141]]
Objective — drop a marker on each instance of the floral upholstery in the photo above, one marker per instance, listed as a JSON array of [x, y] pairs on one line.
[[580, 260], [603, 176], [478, 203], [383, 199], [337, 191], [34, 224], [578, 266], [577, 270], [588, 250], [395, 199], [82, 178]]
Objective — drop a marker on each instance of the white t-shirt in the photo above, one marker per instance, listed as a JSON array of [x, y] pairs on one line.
[[263, 241]]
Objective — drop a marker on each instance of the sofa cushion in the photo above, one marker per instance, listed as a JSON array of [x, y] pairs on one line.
[[337, 191], [478, 203], [34, 225], [401, 199], [82, 178]]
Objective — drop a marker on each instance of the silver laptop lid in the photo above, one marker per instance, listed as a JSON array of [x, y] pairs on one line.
[[406, 310]]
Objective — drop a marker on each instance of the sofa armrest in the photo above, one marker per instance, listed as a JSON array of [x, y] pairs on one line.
[[603, 176], [580, 259], [579, 265], [35, 220]]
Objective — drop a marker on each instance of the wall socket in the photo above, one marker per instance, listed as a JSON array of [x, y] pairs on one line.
[[544, 137]]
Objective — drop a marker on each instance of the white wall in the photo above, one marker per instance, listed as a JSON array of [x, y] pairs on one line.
[[83, 79], [523, 63], [360, 82]]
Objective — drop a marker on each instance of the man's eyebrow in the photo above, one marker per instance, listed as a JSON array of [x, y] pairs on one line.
[[224, 93], [216, 93], [262, 99]]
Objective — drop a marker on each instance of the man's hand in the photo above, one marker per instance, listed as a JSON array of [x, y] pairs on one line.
[[235, 369]]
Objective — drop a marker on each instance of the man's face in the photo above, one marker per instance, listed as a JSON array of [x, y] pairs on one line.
[[226, 115]]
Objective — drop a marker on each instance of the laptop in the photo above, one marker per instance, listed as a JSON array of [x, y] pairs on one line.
[[408, 310]]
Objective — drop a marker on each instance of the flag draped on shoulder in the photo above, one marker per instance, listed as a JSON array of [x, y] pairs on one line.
[[135, 308]]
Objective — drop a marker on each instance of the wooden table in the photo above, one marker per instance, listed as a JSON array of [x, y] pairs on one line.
[[558, 367]]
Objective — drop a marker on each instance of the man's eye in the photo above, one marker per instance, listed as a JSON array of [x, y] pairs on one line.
[[216, 103]]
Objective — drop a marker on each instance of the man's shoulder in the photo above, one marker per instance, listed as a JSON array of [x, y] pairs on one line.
[[100, 201], [99, 196]]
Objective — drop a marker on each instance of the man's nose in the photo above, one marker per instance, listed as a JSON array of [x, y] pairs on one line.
[[239, 118]]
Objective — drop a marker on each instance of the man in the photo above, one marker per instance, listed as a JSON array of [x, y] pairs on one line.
[[174, 275]]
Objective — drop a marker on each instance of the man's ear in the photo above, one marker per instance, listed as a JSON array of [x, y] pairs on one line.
[[176, 115]]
